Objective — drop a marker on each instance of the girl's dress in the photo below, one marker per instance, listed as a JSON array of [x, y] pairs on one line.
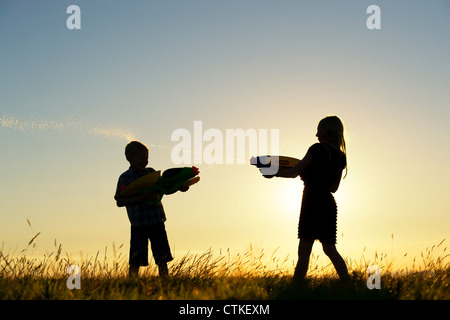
[[318, 212]]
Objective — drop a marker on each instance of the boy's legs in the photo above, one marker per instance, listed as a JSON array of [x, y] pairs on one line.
[[160, 248], [163, 270], [138, 250], [304, 251], [339, 263]]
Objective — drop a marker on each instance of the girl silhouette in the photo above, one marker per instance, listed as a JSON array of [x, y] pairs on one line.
[[321, 171]]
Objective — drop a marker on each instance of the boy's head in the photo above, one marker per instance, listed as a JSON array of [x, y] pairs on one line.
[[137, 154]]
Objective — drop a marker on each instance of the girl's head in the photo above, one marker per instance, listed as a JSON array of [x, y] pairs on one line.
[[331, 130]]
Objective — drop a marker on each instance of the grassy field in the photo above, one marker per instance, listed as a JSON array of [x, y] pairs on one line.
[[208, 276]]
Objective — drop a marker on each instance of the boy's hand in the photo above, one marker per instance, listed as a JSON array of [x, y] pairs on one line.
[[184, 188], [130, 201], [150, 196]]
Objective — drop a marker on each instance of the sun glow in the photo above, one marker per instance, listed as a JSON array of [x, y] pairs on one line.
[[290, 196]]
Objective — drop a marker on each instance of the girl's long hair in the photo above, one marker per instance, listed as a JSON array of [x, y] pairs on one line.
[[332, 131]]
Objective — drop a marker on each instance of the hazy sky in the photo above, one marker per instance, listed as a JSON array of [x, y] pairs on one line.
[[71, 99]]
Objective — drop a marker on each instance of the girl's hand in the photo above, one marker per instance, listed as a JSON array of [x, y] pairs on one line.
[[286, 173]]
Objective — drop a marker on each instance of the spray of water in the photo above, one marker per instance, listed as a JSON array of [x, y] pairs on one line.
[[8, 122], [14, 123], [25, 125], [113, 133]]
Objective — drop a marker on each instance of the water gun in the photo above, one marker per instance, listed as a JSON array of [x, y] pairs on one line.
[[168, 183], [269, 165]]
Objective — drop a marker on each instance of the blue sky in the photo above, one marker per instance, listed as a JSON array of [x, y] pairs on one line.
[[146, 68]]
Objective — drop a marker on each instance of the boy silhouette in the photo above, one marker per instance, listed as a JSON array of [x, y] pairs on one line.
[[147, 221]]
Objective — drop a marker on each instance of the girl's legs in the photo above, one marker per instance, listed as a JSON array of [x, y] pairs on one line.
[[336, 259], [304, 251], [133, 271]]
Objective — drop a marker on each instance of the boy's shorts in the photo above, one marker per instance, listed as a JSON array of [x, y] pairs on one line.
[[158, 241]]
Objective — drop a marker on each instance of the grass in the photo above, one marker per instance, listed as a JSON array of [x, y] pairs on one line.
[[210, 276]]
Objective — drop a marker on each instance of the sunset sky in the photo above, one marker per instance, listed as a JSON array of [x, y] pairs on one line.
[[70, 100]]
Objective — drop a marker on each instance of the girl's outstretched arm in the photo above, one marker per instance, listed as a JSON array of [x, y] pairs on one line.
[[297, 170]]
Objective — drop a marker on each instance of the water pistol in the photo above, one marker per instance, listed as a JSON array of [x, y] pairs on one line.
[[269, 165], [168, 183]]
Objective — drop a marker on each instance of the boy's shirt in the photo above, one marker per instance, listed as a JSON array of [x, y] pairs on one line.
[[141, 214]]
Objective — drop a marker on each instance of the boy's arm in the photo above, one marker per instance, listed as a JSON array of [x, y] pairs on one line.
[[132, 200], [122, 201]]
